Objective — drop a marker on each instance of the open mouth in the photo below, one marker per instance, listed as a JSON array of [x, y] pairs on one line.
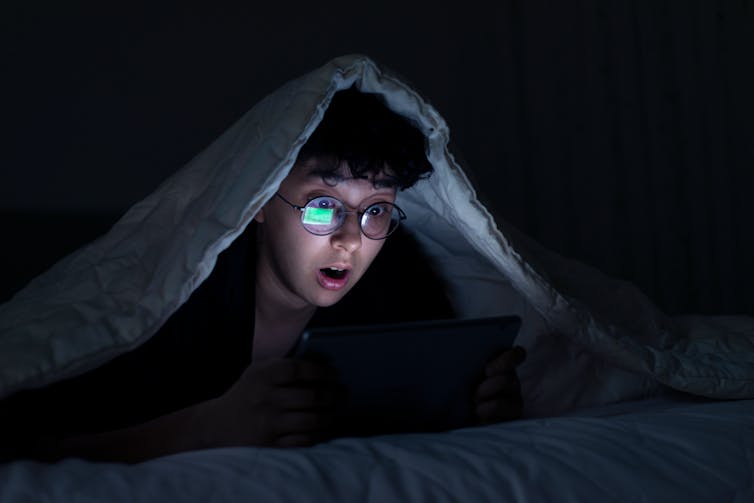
[[333, 278], [334, 273]]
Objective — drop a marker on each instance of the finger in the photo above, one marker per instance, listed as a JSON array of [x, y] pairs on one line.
[[302, 422], [497, 386], [288, 371], [302, 439], [303, 398], [494, 411], [507, 361]]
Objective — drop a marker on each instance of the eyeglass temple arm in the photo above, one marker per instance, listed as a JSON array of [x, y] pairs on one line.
[[294, 206]]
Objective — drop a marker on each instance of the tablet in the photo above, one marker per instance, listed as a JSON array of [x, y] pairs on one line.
[[418, 376]]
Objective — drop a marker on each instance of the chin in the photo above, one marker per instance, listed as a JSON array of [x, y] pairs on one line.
[[328, 302], [330, 298]]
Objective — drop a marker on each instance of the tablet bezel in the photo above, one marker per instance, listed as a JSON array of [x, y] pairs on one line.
[[415, 376]]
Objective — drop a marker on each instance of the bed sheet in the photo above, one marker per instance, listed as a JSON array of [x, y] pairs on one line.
[[655, 450]]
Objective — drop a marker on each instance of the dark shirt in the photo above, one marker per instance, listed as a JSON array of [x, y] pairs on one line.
[[207, 343]]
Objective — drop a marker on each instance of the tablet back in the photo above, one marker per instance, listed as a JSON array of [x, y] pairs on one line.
[[418, 376]]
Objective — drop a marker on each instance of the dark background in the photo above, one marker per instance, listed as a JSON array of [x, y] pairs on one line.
[[617, 133]]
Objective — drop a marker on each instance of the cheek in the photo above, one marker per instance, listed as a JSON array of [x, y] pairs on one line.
[[284, 226], [294, 248], [282, 240]]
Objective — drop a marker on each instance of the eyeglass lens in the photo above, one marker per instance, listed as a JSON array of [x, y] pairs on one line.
[[324, 215]]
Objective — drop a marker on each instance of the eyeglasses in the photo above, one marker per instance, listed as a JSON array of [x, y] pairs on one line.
[[324, 215]]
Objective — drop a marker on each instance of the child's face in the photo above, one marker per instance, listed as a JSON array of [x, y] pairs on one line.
[[293, 263]]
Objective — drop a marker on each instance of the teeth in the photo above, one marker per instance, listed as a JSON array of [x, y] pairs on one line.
[[336, 269]]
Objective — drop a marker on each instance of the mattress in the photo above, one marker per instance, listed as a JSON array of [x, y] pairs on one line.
[[662, 449]]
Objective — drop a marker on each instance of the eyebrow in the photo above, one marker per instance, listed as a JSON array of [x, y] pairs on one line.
[[320, 172], [388, 182]]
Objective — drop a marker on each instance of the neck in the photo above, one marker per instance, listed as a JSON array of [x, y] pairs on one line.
[[271, 312], [278, 323]]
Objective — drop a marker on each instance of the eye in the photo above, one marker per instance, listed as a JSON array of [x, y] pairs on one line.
[[325, 202], [377, 210], [320, 213]]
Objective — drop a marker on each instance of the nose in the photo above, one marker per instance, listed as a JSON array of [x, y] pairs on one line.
[[348, 236]]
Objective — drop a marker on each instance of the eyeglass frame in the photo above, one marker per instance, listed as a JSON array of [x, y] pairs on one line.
[[401, 215]]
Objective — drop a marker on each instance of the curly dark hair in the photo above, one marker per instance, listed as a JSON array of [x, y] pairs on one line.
[[359, 129]]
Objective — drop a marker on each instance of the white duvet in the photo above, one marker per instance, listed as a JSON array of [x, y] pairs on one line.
[[591, 340]]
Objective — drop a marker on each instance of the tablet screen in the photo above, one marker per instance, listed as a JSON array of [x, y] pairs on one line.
[[418, 376]]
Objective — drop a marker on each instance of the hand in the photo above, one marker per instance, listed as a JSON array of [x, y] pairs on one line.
[[281, 402], [498, 397]]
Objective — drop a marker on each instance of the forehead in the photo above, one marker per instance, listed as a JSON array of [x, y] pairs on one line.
[[315, 171]]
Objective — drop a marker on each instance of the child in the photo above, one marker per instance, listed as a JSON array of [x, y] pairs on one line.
[[217, 373]]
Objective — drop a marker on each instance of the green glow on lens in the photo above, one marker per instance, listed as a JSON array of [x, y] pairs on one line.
[[318, 216]]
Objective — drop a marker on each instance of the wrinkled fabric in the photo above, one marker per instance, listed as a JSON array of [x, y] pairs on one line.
[[591, 339]]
